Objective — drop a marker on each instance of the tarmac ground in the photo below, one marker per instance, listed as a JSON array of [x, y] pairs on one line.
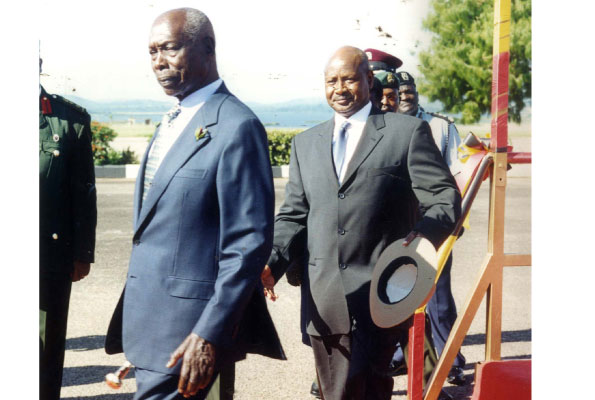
[[94, 298]]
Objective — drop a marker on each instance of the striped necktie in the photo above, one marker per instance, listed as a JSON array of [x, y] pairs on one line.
[[339, 149], [173, 113], [156, 155]]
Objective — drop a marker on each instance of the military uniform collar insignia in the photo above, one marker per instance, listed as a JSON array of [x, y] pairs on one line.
[[46, 106]]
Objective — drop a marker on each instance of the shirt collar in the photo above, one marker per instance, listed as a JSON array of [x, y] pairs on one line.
[[201, 95], [420, 112], [359, 118]]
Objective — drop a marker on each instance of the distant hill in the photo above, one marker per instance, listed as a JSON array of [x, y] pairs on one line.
[[291, 105], [117, 106], [298, 113], [138, 105]]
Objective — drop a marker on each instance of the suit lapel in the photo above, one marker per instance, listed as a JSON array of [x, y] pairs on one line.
[[324, 151], [182, 149], [370, 138]]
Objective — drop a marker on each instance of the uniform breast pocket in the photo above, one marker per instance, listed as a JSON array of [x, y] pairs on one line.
[[51, 156], [191, 173]]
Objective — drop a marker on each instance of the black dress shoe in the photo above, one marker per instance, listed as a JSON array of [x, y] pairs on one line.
[[456, 376], [396, 368], [314, 391], [444, 396]]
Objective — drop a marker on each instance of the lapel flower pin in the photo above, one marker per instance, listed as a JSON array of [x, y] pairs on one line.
[[200, 133]]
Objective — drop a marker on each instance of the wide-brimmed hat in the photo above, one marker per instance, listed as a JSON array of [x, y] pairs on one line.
[[402, 281]]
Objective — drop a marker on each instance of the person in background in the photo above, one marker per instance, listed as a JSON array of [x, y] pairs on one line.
[[390, 90], [441, 308], [382, 61], [67, 221], [376, 93], [384, 65], [444, 131]]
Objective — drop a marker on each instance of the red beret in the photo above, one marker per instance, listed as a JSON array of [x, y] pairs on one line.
[[380, 60]]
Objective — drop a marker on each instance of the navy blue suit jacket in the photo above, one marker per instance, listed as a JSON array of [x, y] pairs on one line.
[[201, 239]]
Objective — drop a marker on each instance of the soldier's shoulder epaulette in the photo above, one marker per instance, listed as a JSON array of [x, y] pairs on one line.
[[448, 119], [69, 104]]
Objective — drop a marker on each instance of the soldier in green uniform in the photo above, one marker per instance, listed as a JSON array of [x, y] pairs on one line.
[[67, 219], [389, 82]]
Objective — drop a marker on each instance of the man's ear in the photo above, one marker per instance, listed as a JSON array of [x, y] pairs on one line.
[[370, 78], [209, 45]]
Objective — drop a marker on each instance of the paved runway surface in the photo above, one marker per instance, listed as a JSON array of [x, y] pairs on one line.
[[94, 298]]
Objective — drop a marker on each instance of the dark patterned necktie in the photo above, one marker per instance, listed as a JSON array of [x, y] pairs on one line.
[[173, 113], [155, 156]]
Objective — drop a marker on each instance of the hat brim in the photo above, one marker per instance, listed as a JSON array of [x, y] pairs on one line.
[[423, 254], [382, 65]]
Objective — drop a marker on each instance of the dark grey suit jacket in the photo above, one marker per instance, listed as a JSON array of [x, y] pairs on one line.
[[395, 164]]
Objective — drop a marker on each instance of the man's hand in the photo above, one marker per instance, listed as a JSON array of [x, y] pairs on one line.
[[80, 270], [412, 235], [268, 281], [198, 364]]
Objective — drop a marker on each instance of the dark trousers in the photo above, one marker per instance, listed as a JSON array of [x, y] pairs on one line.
[[355, 366], [151, 385], [442, 312], [54, 297]]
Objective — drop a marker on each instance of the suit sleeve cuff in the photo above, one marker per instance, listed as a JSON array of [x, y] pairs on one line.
[[277, 265], [432, 230]]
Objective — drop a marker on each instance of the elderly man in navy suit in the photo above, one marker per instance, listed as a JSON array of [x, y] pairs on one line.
[[203, 224]]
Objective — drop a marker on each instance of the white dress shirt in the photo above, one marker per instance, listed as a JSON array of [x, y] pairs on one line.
[[353, 133], [190, 106]]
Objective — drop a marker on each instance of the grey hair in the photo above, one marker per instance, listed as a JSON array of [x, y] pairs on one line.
[[197, 26]]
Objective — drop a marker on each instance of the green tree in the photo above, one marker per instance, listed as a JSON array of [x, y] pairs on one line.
[[280, 145], [100, 143], [103, 153], [457, 67]]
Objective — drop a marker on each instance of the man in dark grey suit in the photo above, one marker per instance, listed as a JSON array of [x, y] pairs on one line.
[[354, 184]]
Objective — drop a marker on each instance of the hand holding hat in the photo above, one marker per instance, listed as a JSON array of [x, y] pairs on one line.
[[402, 280]]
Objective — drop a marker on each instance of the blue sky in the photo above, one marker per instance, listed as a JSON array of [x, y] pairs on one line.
[[267, 51]]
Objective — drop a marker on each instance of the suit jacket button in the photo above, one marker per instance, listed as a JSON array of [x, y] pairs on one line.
[[343, 266], [341, 231], [55, 236], [341, 195]]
